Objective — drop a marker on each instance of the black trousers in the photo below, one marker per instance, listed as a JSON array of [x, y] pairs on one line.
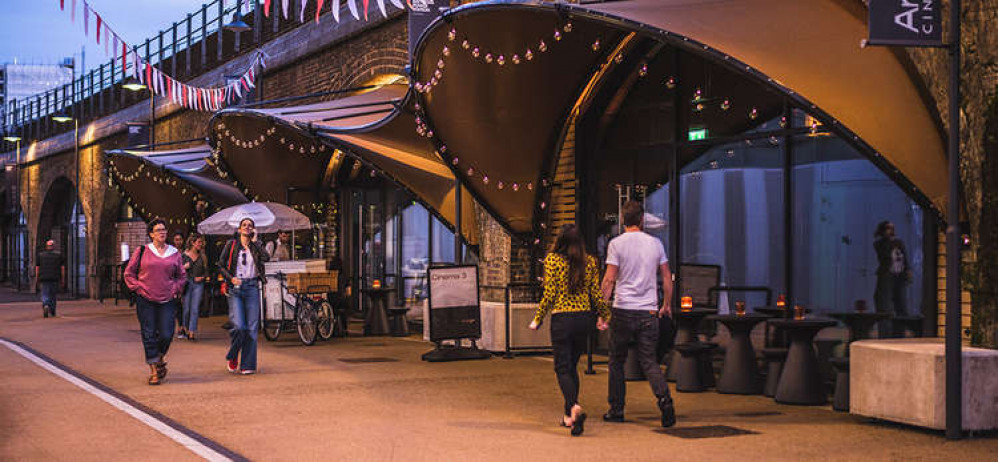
[[639, 328], [569, 332]]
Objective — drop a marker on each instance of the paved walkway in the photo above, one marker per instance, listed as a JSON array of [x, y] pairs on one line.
[[362, 398]]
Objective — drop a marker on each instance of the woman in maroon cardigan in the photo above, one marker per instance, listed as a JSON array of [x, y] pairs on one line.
[[156, 274]]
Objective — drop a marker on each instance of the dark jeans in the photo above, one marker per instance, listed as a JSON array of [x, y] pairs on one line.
[[639, 328], [891, 297], [569, 332], [156, 323]]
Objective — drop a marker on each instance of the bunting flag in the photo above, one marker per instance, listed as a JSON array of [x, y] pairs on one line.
[[202, 99], [86, 20], [353, 9], [365, 9]]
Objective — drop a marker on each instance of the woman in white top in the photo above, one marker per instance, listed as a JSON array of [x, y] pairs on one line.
[[241, 264]]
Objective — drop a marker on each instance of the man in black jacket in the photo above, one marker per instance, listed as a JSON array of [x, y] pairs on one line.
[[50, 274]]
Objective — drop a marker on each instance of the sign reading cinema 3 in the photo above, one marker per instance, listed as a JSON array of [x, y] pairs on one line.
[[906, 22]]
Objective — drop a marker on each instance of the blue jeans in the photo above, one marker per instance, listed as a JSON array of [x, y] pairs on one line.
[[192, 303], [156, 323], [244, 313], [49, 289]]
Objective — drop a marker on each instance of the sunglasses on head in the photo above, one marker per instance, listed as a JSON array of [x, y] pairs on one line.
[[243, 255]]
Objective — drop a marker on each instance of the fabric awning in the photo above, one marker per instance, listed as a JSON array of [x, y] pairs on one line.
[[256, 143], [168, 183], [505, 121]]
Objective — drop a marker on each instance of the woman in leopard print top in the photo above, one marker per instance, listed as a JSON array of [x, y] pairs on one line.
[[571, 291]]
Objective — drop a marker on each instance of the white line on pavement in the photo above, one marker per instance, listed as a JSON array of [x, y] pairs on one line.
[[184, 440]]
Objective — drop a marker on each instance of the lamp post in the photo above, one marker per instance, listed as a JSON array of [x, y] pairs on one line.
[[62, 118], [17, 207], [134, 86]]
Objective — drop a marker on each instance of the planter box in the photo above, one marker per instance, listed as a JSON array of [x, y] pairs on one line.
[[904, 380]]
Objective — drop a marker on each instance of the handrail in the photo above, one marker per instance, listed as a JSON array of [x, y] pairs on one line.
[[98, 92]]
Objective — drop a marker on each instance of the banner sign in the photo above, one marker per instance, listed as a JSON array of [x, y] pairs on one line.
[[906, 22], [421, 14], [453, 300]]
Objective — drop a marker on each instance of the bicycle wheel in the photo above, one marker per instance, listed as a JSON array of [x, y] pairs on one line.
[[325, 319], [305, 321], [272, 329]]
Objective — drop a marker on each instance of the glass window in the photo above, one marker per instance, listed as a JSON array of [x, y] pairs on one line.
[[443, 243], [731, 215], [839, 200], [415, 251]]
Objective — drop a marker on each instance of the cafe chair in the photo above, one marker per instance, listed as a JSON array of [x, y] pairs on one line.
[[689, 367]]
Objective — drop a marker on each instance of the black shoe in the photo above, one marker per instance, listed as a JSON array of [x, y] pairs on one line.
[[579, 425], [611, 416], [227, 325], [668, 412]]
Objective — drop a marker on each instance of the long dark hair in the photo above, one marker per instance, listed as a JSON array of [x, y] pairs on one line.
[[881, 229], [571, 246]]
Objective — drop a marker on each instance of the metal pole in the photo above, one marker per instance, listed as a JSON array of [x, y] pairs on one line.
[[152, 118], [954, 366], [457, 222], [79, 208]]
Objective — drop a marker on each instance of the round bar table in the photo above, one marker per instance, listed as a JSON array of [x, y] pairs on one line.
[[686, 324], [773, 336], [800, 382], [376, 315], [740, 374], [859, 323]]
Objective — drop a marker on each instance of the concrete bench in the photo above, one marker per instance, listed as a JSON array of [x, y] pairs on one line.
[[904, 380]]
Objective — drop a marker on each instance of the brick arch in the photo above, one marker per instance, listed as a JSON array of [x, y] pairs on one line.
[[381, 50]]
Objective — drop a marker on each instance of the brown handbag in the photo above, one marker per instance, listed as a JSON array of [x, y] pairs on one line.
[[224, 287]]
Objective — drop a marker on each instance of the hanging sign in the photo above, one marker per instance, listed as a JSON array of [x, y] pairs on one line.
[[906, 23], [454, 309], [421, 14]]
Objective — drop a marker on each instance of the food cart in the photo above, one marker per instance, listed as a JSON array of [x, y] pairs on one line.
[[296, 297]]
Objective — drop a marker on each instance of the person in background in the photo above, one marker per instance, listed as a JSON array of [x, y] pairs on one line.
[[893, 275], [177, 239], [195, 265], [241, 264], [50, 274], [156, 274], [571, 291], [280, 249], [632, 261]]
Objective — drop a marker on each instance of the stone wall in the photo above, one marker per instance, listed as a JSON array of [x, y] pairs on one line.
[[978, 81]]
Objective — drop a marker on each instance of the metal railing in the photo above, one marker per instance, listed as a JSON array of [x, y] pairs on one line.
[[196, 44]]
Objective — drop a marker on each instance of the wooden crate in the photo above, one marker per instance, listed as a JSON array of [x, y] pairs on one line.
[[320, 282]]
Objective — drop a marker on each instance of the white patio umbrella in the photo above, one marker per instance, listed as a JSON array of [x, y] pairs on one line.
[[269, 217], [653, 222]]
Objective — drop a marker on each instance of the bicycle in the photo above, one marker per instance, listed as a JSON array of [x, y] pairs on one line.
[[313, 315]]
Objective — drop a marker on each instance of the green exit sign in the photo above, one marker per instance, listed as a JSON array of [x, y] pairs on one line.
[[697, 134]]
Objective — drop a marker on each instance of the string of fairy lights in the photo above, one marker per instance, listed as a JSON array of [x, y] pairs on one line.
[[458, 45], [118, 180]]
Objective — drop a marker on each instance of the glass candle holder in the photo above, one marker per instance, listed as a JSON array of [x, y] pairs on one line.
[[799, 312], [686, 304], [781, 302], [740, 308]]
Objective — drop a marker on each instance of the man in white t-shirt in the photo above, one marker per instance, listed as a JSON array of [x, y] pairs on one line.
[[632, 261]]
